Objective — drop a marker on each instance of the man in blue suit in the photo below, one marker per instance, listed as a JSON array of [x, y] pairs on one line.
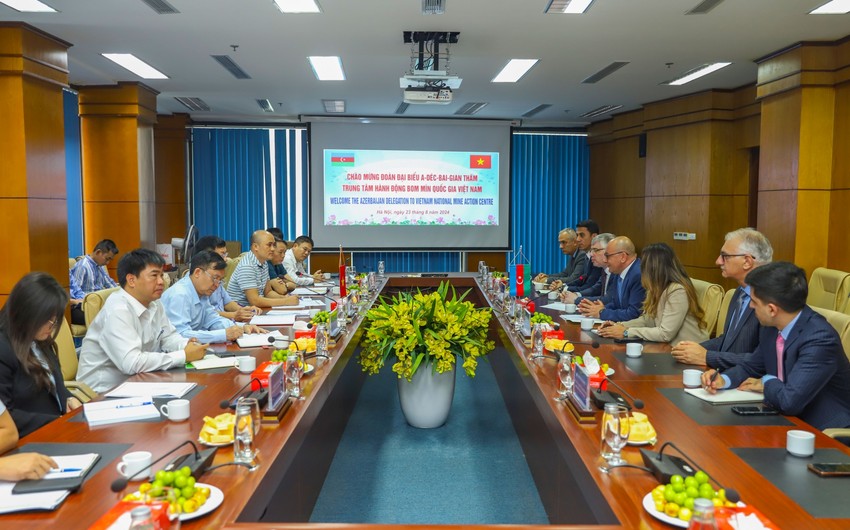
[[744, 250], [799, 363], [624, 297]]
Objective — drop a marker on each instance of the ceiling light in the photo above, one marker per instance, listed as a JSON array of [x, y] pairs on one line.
[[135, 65], [297, 6], [266, 105], [698, 72], [334, 105], [31, 6], [327, 68], [514, 70], [572, 7], [835, 7]]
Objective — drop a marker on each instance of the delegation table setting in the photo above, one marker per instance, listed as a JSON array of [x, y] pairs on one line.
[[746, 454]]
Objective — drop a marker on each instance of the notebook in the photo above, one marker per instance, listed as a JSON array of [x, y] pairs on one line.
[[120, 410], [46, 500], [730, 396], [69, 475], [133, 389]]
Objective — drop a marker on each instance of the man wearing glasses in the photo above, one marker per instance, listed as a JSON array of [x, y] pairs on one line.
[[625, 295], [744, 250], [597, 257], [189, 310]]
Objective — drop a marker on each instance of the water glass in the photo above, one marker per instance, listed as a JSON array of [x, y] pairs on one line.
[[481, 266], [381, 269], [615, 432], [243, 433], [537, 340], [322, 340], [565, 374], [255, 412], [341, 317], [511, 307], [294, 370]]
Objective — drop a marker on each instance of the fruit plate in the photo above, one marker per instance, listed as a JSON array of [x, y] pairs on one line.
[[649, 506], [643, 442], [308, 369], [214, 444], [214, 501]]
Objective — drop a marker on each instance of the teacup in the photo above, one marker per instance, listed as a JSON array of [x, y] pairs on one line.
[[246, 363], [136, 462], [553, 295], [691, 378], [587, 324], [570, 308], [176, 409], [800, 443], [634, 349]]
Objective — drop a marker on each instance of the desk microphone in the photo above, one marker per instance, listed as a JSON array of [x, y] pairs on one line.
[[198, 462], [601, 397], [594, 344], [260, 394], [665, 466]]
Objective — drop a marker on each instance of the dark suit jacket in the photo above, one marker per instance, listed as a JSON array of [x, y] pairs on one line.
[[725, 351], [574, 268], [588, 277], [30, 406], [817, 373], [631, 304]]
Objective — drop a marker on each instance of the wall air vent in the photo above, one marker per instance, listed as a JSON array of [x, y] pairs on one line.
[[266, 105], [433, 7], [535, 110], [231, 66], [605, 72], [161, 7], [196, 104], [469, 109], [703, 7]]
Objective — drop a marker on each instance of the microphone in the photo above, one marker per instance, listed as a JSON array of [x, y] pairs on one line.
[[261, 395], [199, 463], [602, 397], [665, 466], [594, 344]]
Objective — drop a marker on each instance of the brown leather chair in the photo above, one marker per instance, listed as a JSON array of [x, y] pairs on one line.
[[93, 303], [68, 363], [828, 289], [710, 296]]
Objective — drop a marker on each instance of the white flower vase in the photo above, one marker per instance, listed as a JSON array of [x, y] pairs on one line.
[[426, 399]]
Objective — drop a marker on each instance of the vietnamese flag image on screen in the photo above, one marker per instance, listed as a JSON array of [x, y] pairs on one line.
[[479, 161], [342, 159]]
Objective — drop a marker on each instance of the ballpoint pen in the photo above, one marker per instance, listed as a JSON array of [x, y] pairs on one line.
[[713, 377]]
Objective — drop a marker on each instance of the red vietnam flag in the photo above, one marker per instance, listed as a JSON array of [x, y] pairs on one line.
[[479, 161]]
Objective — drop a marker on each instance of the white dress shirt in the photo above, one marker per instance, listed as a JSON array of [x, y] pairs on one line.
[[294, 267], [193, 315], [127, 338]]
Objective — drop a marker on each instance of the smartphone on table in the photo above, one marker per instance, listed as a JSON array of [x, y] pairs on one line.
[[754, 410], [829, 469]]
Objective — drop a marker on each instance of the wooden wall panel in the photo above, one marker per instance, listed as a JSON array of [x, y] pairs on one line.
[[118, 221], [109, 155], [170, 175], [777, 218], [839, 221], [841, 137], [689, 213], [816, 138], [812, 240], [678, 160], [780, 136], [622, 217]]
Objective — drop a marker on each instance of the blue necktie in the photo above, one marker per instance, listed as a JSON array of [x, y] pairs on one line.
[[743, 301], [620, 282]]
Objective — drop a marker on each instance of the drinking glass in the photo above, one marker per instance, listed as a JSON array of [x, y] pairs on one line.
[[565, 374], [351, 273], [511, 307], [615, 432], [294, 369], [380, 269], [341, 317], [243, 433], [537, 341], [322, 340], [481, 266], [255, 412]]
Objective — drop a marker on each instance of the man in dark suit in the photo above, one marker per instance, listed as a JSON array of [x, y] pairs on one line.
[[799, 363], [744, 250], [567, 240], [586, 231], [624, 298], [596, 252]]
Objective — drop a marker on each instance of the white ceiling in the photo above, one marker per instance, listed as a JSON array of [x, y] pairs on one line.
[[367, 34]]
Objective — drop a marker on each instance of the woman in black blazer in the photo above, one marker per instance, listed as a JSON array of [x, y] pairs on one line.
[[31, 384]]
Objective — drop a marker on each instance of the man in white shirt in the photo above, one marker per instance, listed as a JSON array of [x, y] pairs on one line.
[[188, 307], [294, 260], [249, 283], [132, 333]]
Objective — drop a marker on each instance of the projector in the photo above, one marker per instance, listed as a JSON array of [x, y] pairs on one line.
[[428, 95]]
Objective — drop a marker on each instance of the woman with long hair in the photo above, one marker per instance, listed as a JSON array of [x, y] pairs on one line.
[[671, 311], [31, 383]]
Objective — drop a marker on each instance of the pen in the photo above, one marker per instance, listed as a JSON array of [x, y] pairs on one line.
[[713, 377], [66, 470]]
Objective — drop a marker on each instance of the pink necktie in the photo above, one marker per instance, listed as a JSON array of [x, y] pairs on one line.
[[780, 365]]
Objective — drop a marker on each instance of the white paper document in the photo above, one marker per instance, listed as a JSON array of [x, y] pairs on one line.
[[256, 340], [557, 306], [323, 284], [303, 303], [576, 319], [120, 410], [726, 397], [132, 389], [71, 466], [214, 361], [307, 291], [46, 500], [274, 318]]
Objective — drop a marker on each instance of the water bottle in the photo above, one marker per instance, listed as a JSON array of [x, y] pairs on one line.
[[380, 269], [243, 434], [294, 368], [322, 340], [341, 317], [703, 516], [141, 518]]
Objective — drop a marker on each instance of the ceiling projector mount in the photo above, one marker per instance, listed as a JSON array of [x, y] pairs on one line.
[[425, 82]]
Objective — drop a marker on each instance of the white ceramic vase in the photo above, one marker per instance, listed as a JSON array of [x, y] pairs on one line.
[[426, 399]]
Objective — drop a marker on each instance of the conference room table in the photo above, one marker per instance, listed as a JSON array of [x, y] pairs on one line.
[[562, 453]]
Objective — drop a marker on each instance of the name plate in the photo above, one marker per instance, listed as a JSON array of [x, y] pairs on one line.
[[277, 386], [581, 389], [525, 324]]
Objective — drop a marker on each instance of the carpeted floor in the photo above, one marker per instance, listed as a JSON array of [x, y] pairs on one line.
[[471, 470]]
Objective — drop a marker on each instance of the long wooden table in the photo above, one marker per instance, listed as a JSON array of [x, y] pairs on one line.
[[562, 454]]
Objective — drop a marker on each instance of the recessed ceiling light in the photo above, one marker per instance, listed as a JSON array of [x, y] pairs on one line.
[[327, 68], [297, 6], [698, 72], [514, 70], [135, 65], [572, 7], [334, 105], [31, 6], [835, 7]]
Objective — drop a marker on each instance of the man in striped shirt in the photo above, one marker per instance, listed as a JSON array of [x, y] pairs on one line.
[[90, 272], [249, 284]]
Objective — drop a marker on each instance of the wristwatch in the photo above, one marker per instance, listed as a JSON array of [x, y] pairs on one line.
[[626, 333]]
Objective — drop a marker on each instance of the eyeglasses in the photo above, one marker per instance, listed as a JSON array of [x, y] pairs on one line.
[[53, 323], [724, 256], [215, 279], [595, 250], [608, 256]]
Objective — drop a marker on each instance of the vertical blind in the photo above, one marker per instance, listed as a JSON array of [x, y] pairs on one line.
[[73, 173], [245, 179]]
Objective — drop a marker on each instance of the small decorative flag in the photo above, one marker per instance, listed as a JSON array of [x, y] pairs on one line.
[[480, 161], [342, 290]]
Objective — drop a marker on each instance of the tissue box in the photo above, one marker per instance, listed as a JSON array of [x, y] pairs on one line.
[[159, 511], [553, 334], [262, 373], [306, 333]]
